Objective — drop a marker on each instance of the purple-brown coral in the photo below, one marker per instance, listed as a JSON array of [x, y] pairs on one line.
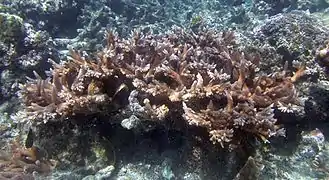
[[199, 76]]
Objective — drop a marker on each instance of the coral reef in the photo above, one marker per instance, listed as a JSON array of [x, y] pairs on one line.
[[276, 7], [11, 26], [293, 36], [199, 77], [80, 23], [146, 81], [57, 17], [307, 160], [22, 48], [154, 154]]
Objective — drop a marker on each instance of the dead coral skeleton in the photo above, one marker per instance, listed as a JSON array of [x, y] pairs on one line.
[[200, 76]]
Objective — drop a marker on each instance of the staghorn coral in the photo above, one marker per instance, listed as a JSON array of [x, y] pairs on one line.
[[200, 77], [77, 87], [22, 163]]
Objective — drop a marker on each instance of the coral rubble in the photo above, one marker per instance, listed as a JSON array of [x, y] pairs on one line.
[[201, 77]]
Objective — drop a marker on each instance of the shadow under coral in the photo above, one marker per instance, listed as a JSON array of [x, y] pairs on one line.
[[317, 109], [73, 142]]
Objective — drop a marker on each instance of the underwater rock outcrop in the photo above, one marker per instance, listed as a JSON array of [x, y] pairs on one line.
[[307, 160], [289, 37]]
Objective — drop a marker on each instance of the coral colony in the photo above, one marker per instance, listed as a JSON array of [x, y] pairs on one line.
[[200, 76]]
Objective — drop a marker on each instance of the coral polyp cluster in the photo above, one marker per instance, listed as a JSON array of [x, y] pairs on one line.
[[199, 77]]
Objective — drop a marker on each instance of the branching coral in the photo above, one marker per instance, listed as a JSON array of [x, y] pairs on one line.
[[200, 77], [77, 87], [22, 162]]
